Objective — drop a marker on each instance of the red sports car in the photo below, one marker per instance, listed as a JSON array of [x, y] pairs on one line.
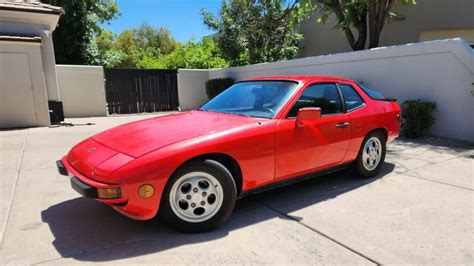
[[258, 134]]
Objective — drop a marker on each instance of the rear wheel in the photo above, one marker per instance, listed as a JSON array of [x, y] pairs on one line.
[[371, 155], [199, 197]]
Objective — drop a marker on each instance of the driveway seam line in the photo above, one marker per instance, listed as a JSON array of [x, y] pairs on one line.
[[429, 164], [407, 173], [321, 234], [438, 182], [12, 194]]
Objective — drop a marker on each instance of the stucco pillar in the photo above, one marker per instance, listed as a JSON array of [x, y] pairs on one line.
[[49, 65]]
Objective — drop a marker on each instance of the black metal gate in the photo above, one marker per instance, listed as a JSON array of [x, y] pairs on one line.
[[131, 91]]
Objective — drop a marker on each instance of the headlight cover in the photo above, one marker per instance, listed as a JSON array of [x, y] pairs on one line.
[[113, 163]]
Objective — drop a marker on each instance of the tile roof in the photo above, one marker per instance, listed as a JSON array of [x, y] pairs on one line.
[[16, 38], [30, 6]]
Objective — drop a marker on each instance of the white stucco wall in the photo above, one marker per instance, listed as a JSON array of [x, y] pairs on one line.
[[82, 90], [192, 88], [441, 71], [23, 98]]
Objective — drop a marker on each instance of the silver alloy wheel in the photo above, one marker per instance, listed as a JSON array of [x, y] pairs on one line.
[[372, 153], [196, 197]]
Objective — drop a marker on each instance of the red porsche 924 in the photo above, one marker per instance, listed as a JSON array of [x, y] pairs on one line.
[[261, 133]]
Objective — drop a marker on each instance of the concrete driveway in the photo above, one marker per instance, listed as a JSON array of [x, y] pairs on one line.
[[419, 210]]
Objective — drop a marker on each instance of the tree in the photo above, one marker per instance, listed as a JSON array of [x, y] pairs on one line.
[[73, 37], [203, 54], [156, 41], [127, 44], [255, 31], [137, 44], [366, 17], [103, 52]]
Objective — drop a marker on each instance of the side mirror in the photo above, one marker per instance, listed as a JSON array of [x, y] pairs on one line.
[[307, 114]]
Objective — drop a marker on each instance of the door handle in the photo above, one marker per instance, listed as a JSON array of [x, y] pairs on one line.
[[341, 125]]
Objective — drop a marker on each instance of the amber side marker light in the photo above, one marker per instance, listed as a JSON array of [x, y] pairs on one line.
[[146, 191], [109, 193]]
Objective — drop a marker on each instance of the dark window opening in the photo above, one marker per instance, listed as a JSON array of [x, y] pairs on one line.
[[324, 96], [373, 93], [352, 99]]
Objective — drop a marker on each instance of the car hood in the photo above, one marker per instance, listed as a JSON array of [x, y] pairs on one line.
[[141, 137]]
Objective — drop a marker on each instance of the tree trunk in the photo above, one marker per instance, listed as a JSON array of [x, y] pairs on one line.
[[362, 31], [374, 39], [361, 28], [374, 35], [378, 12]]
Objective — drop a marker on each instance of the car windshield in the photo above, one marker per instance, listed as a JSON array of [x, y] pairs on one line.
[[252, 98]]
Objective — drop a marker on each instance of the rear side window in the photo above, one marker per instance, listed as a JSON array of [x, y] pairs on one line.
[[372, 93], [324, 96], [351, 97]]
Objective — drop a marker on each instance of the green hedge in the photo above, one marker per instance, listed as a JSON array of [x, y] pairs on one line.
[[216, 86], [417, 117]]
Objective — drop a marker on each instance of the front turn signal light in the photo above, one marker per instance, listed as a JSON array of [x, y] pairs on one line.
[[109, 193], [146, 191]]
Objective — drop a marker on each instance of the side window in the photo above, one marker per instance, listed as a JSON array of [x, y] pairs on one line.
[[351, 97], [372, 93], [324, 96]]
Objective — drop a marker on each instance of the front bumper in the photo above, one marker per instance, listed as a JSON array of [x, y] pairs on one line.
[[83, 189], [128, 203], [86, 186], [79, 186]]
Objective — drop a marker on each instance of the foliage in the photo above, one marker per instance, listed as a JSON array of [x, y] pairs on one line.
[[73, 37], [142, 43], [417, 117], [148, 47], [203, 54], [216, 86], [102, 51], [255, 31], [366, 17]]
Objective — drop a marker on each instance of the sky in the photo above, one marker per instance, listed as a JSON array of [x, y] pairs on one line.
[[181, 17]]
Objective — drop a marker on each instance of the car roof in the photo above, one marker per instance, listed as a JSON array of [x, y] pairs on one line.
[[300, 78]]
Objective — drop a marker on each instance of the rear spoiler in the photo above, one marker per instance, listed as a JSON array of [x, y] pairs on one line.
[[390, 99]]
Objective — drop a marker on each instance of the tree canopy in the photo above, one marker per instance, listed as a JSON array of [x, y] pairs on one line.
[[203, 54], [148, 47], [255, 31], [135, 45], [360, 20], [76, 29]]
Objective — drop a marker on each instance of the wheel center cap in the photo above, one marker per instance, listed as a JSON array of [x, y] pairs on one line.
[[197, 197]]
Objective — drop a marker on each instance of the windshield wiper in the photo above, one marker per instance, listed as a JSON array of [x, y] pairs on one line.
[[208, 110], [240, 114], [223, 112]]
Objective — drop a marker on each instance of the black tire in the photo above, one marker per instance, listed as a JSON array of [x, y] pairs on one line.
[[224, 177], [359, 167]]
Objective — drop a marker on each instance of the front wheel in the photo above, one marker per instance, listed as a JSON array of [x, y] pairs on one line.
[[371, 155], [199, 197]]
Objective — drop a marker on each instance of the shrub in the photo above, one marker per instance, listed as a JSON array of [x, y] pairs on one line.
[[216, 86], [417, 117]]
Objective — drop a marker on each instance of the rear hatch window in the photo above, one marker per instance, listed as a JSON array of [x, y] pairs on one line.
[[376, 95]]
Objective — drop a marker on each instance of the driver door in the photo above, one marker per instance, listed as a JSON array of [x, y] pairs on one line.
[[317, 144]]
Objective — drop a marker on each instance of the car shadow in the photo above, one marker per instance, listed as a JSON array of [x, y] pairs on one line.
[[87, 230]]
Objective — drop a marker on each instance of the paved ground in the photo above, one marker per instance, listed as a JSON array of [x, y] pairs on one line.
[[419, 210]]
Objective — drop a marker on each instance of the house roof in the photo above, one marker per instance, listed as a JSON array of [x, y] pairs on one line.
[[16, 38], [30, 6]]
